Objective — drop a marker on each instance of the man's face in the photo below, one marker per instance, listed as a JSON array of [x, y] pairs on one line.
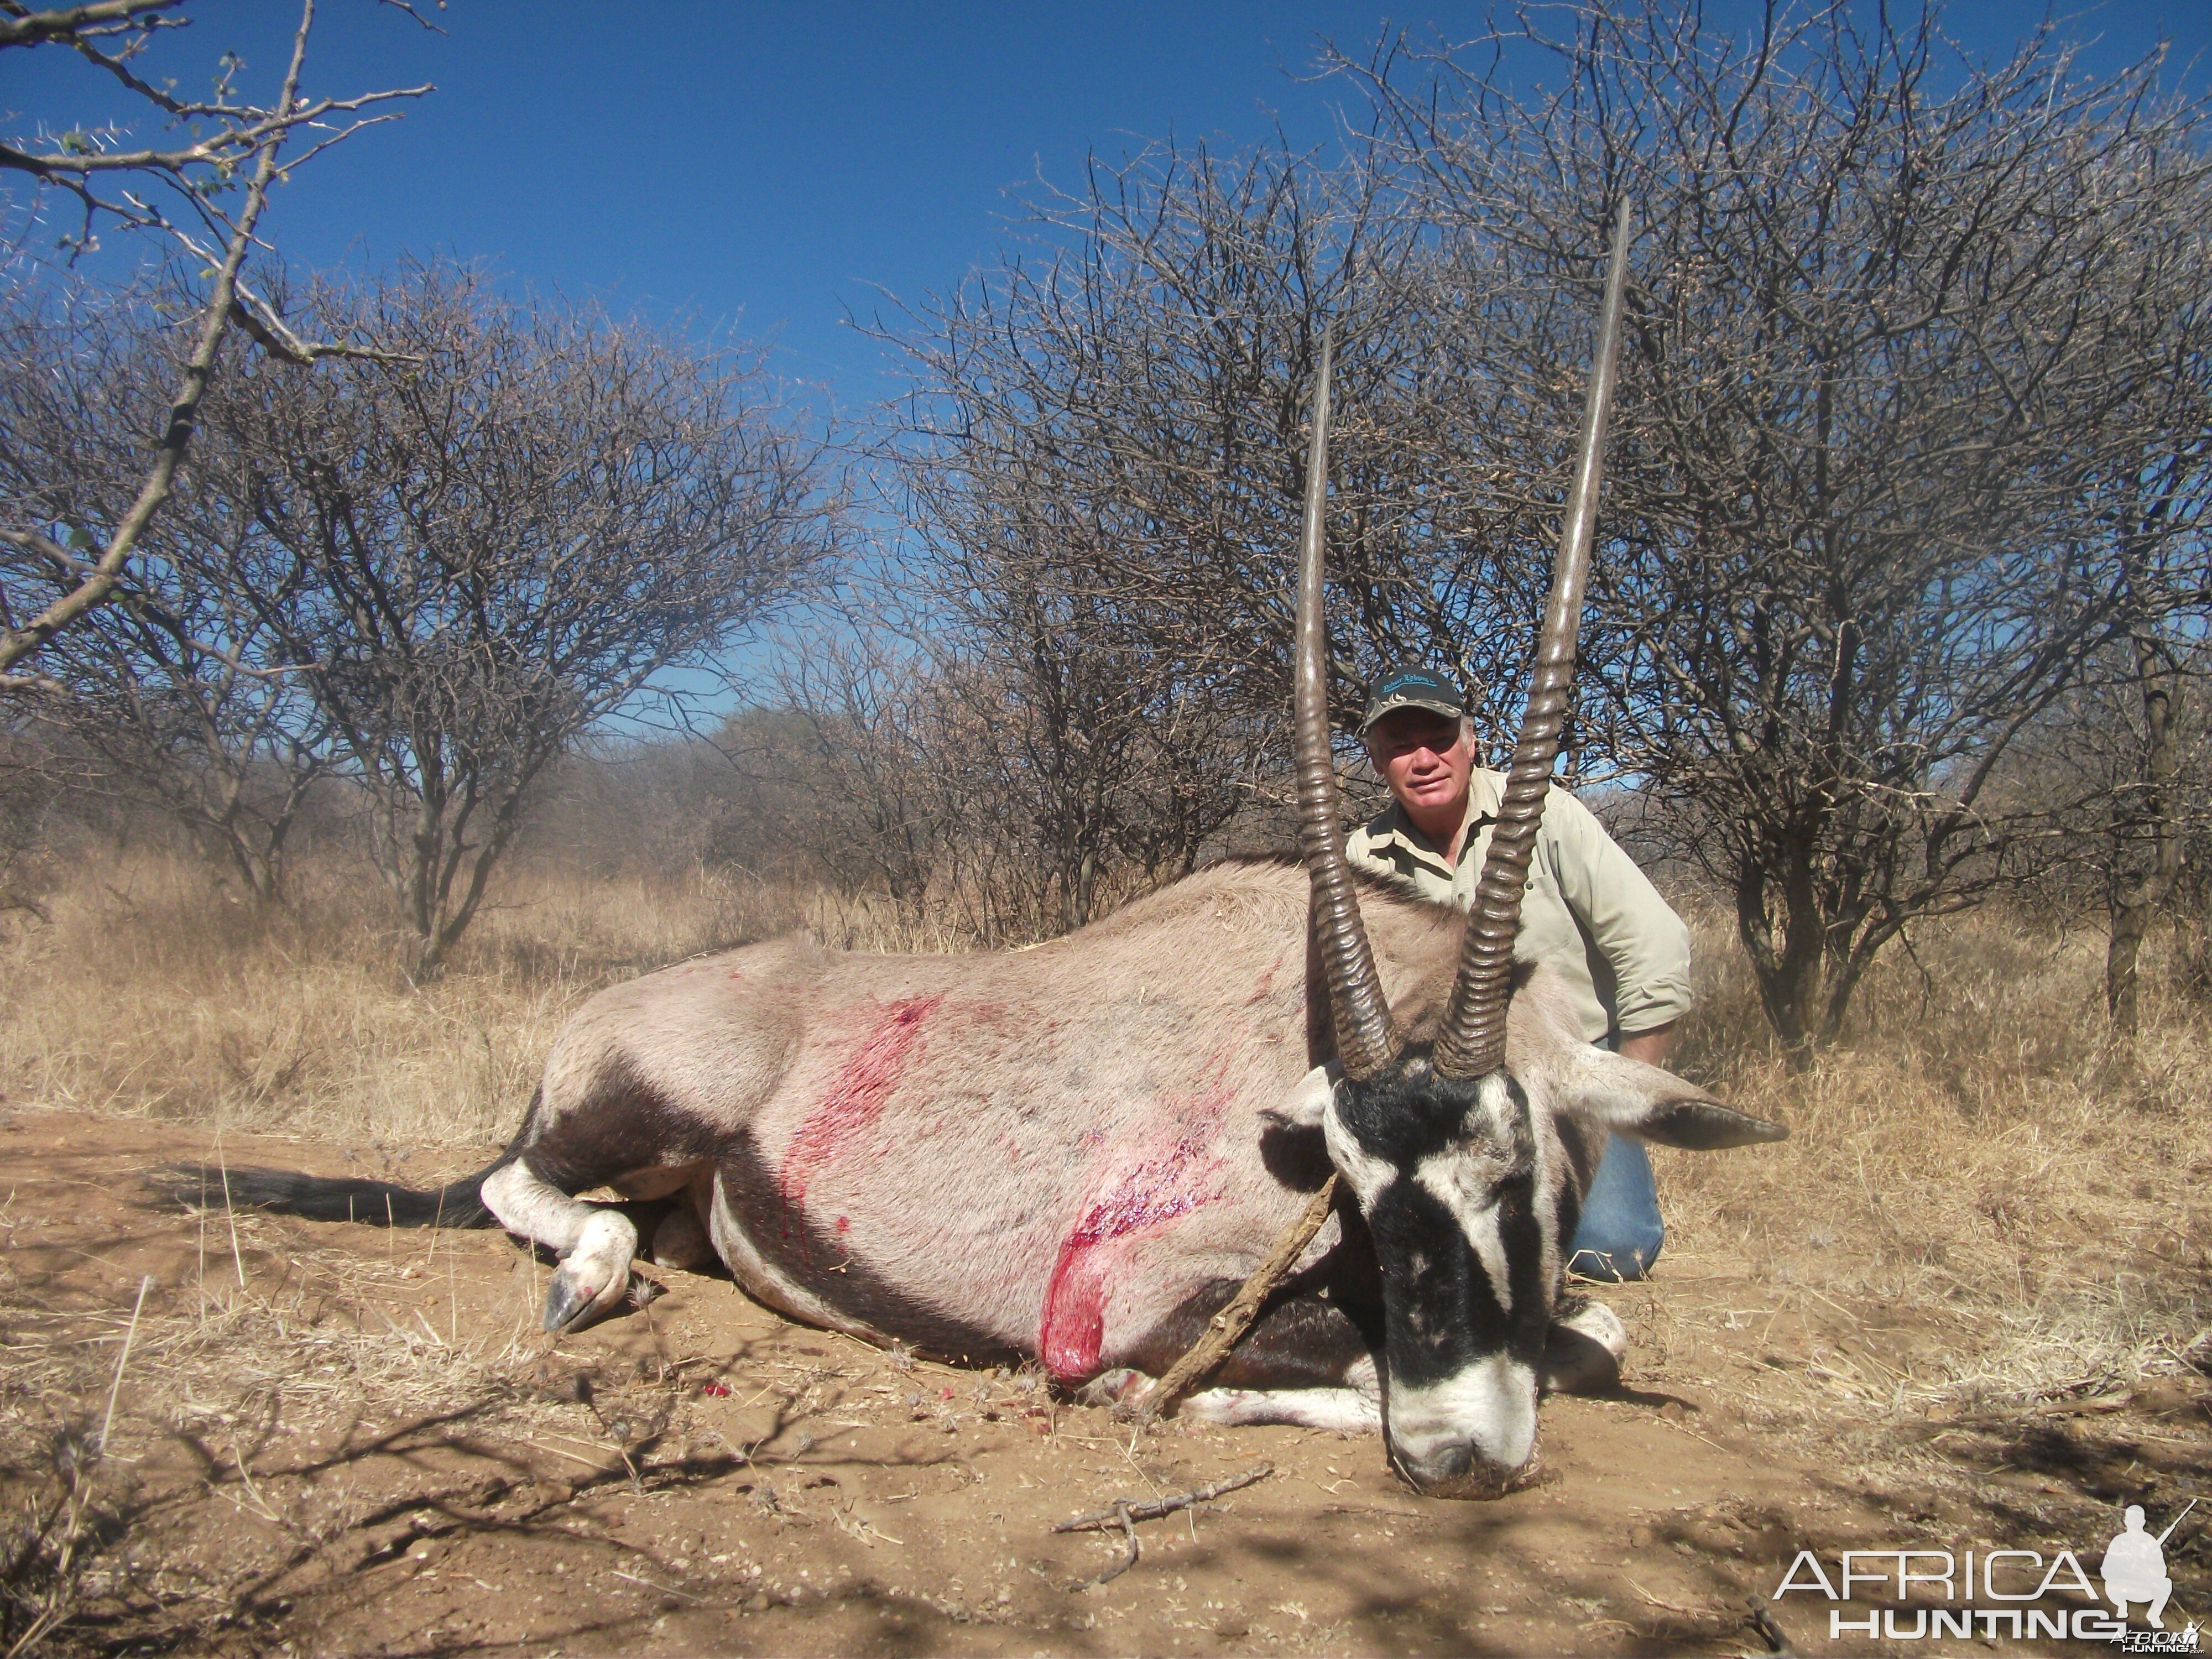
[[1423, 757]]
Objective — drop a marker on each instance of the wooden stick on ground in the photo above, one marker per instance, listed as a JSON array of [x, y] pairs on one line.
[[1125, 1514], [1226, 1328]]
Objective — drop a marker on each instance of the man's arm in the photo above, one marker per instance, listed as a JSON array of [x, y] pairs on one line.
[[1643, 939], [1650, 1047]]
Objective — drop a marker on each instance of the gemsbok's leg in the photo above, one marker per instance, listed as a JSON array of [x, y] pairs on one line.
[[1582, 1356], [1355, 1408], [681, 1239], [596, 1244], [1306, 1362]]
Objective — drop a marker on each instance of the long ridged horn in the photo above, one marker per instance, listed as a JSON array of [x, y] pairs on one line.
[[1472, 1044], [1362, 1018]]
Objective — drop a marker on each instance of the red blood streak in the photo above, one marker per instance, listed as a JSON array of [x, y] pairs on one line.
[[1266, 988], [1148, 1195], [856, 1096]]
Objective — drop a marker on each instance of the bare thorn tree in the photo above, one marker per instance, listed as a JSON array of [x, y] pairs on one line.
[[496, 550], [2157, 516], [181, 691], [1901, 325], [1101, 465], [205, 199], [855, 749]]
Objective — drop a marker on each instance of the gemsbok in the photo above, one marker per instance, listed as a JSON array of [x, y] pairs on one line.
[[1077, 1152]]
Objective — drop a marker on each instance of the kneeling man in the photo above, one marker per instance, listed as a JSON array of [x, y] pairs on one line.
[[1589, 913]]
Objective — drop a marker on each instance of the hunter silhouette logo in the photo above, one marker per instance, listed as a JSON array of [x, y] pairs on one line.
[[2134, 1568]]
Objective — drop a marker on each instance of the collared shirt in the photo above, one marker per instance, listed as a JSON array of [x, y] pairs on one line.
[[1587, 911]]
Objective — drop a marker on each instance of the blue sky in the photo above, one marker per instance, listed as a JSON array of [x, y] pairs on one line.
[[761, 168]]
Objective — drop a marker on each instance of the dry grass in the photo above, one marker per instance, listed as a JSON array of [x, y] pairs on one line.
[[265, 1373], [1983, 1158], [148, 994], [1986, 1163]]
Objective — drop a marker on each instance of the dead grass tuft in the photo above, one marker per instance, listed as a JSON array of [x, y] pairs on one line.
[[147, 994], [1985, 1161]]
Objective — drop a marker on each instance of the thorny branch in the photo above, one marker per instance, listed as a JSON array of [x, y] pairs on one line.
[[246, 146]]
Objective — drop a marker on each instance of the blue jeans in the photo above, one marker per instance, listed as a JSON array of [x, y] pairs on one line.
[[1620, 1233]]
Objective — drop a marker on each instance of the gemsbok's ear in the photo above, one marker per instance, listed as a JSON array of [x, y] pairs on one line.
[[1305, 1105], [1653, 1104]]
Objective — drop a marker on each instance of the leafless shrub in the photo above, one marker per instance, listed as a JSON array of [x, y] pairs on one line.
[[506, 545], [432, 578], [1099, 464], [849, 767], [182, 692], [2123, 764], [1904, 333]]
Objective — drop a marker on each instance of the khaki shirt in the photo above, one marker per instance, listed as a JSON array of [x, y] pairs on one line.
[[1589, 911]]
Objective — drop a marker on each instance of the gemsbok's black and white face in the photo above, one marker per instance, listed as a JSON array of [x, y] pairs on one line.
[[1459, 1187], [1469, 1148], [1471, 1191]]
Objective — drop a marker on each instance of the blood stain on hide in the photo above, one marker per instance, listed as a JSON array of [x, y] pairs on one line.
[[1148, 1194], [856, 1096], [1266, 988]]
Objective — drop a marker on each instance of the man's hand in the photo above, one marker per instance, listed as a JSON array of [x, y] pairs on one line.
[[1650, 1047]]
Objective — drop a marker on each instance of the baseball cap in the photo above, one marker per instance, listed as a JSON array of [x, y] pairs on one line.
[[1409, 685]]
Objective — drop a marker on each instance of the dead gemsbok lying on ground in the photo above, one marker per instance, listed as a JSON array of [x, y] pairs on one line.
[[1078, 1152]]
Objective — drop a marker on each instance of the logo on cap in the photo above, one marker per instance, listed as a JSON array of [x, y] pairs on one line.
[[1413, 687]]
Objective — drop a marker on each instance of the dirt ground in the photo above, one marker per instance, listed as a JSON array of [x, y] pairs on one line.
[[341, 1440]]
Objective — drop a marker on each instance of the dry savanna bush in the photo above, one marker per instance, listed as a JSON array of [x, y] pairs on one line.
[[1982, 1157]]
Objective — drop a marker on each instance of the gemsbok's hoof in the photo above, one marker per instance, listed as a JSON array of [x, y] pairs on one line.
[[1118, 1386], [1584, 1349], [594, 1276], [567, 1296]]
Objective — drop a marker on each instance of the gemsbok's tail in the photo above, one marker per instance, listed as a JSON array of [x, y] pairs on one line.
[[327, 1198], [338, 1198]]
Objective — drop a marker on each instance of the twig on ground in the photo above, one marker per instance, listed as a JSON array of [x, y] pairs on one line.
[[1128, 1531], [1125, 1514], [1675, 1608]]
